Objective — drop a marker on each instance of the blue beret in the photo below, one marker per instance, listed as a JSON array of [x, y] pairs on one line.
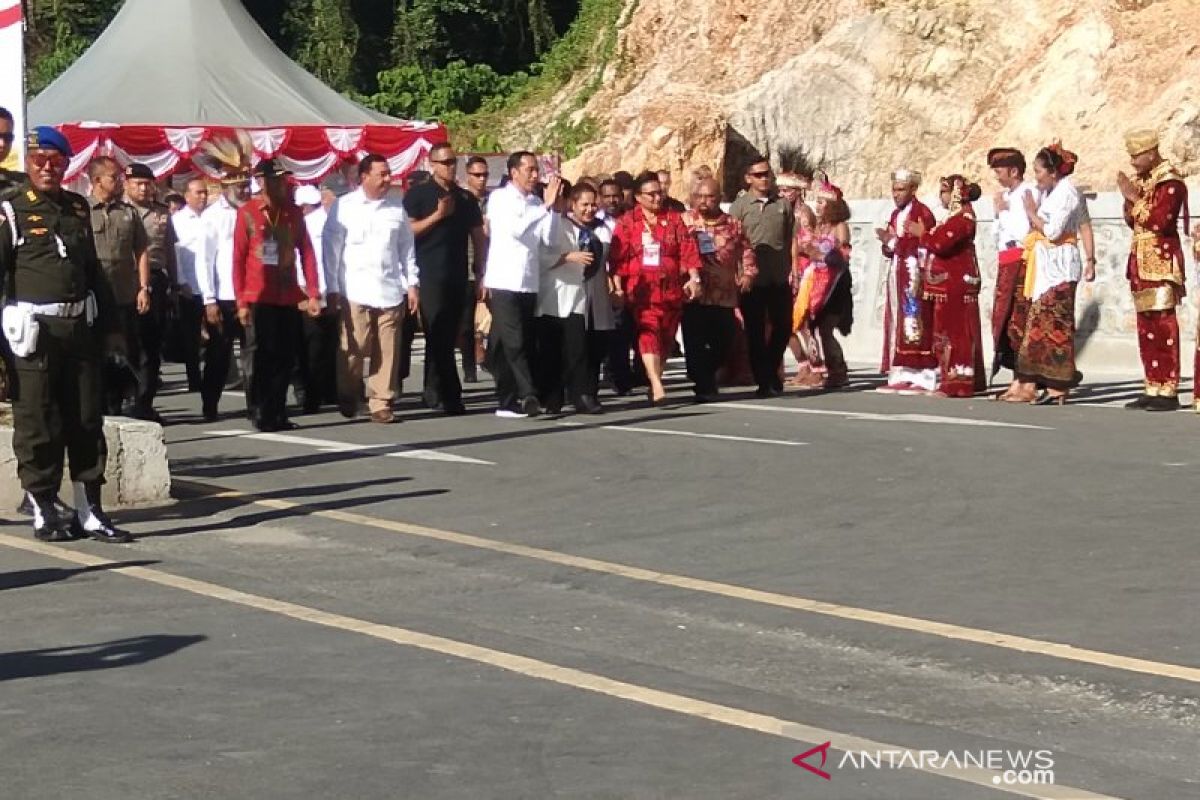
[[44, 137]]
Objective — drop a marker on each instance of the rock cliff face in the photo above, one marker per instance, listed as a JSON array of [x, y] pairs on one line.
[[861, 87]]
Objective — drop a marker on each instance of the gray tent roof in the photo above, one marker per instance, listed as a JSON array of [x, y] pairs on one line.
[[191, 62]]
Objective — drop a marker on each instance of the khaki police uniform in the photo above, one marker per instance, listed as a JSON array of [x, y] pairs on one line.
[[120, 239]]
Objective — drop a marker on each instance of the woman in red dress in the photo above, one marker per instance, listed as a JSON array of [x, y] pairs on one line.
[[952, 285], [658, 264]]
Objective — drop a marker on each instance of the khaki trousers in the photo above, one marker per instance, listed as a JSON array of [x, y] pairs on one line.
[[374, 334]]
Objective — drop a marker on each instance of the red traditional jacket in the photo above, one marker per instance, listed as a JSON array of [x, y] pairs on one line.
[[1155, 266], [646, 284], [907, 245], [256, 237], [953, 268]]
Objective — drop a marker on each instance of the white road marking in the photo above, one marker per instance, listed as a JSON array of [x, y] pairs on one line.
[[866, 416], [326, 446], [525, 666], [692, 434]]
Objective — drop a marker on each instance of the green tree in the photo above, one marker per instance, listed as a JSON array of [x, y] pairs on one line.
[[326, 39], [58, 32]]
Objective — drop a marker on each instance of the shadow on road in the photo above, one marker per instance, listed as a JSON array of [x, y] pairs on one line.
[[36, 577], [88, 657]]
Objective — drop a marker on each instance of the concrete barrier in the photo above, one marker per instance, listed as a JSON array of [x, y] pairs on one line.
[[1106, 332], [136, 473]]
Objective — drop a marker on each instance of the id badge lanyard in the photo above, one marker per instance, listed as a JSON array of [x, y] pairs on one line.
[[651, 250]]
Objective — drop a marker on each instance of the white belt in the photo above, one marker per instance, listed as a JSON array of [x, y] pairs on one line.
[[54, 309]]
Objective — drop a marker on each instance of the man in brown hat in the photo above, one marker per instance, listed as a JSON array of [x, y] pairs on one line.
[[1153, 202], [269, 234]]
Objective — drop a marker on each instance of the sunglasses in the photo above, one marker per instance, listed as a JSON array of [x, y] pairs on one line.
[[55, 160], [760, 175], [478, 174], [446, 162]]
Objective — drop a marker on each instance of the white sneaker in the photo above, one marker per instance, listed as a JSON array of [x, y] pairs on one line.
[[506, 413]]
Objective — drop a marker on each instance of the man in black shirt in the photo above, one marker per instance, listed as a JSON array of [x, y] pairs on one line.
[[444, 218]]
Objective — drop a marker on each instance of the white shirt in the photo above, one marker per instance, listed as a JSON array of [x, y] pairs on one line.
[[1012, 224], [215, 275], [191, 244], [1063, 210], [369, 253], [314, 221], [520, 226]]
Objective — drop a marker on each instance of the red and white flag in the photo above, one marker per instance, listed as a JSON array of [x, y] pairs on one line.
[[12, 76]]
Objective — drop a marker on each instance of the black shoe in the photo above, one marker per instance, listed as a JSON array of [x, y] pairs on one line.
[[530, 406], [1163, 404], [470, 376], [210, 413], [59, 523], [454, 409], [777, 386], [348, 408], [587, 404], [147, 415], [107, 532], [707, 397], [763, 392], [1139, 404]]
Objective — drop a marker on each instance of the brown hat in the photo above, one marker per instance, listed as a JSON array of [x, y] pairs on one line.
[[1006, 157]]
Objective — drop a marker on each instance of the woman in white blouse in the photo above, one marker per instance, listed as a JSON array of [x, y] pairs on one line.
[[1053, 269], [574, 307]]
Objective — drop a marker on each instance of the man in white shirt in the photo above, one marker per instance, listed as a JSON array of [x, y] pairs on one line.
[[191, 241], [215, 278], [316, 368], [520, 225], [1012, 226], [372, 265]]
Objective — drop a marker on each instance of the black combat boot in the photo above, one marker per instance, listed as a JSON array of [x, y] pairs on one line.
[[91, 515], [53, 521]]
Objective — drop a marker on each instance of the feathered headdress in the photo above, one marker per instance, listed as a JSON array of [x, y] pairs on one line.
[[231, 159], [825, 188]]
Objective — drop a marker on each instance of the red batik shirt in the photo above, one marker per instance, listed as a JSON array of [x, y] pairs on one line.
[[260, 232], [644, 283], [732, 257], [1156, 254]]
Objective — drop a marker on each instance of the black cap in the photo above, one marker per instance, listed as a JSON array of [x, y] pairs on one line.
[[140, 171], [270, 168]]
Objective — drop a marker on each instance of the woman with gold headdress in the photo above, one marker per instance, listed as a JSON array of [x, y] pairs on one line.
[[952, 285], [1053, 270]]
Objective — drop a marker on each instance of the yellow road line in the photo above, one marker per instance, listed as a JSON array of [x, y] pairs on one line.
[[944, 630], [566, 676]]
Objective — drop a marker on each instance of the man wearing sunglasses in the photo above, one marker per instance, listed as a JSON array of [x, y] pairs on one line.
[[57, 308], [446, 222], [769, 221]]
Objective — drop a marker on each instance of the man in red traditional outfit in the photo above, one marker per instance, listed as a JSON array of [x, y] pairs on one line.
[[1012, 226], [1153, 203], [908, 359]]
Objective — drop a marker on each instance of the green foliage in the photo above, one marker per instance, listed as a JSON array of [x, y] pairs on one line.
[[57, 33], [457, 88], [326, 39]]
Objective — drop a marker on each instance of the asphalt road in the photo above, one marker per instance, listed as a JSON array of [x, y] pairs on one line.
[[655, 603]]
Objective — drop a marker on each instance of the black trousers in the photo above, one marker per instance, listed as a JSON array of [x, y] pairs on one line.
[[708, 332], [316, 365], [562, 362], [597, 351], [270, 352], [622, 340], [441, 318], [58, 406], [151, 328], [218, 354], [466, 332], [763, 306], [512, 345], [122, 373], [190, 318]]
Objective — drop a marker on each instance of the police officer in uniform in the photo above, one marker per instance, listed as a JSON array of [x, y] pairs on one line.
[[57, 308], [121, 247], [11, 184], [160, 252]]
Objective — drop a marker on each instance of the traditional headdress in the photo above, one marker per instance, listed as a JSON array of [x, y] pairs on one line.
[[789, 180], [1140, 140], [907, 176], [1006, 157], [231, 159], [825, 188], [1069, 159]]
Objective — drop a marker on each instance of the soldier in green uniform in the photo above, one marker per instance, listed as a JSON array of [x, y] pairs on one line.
[[160, 252], [11, 184], [121, 247], [57, 306]]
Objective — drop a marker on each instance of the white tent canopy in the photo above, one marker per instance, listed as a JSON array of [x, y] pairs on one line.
[[166, 73]]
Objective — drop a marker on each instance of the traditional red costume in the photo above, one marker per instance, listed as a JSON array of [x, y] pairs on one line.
[[952, 286], [1155, 267], [908, 318]]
